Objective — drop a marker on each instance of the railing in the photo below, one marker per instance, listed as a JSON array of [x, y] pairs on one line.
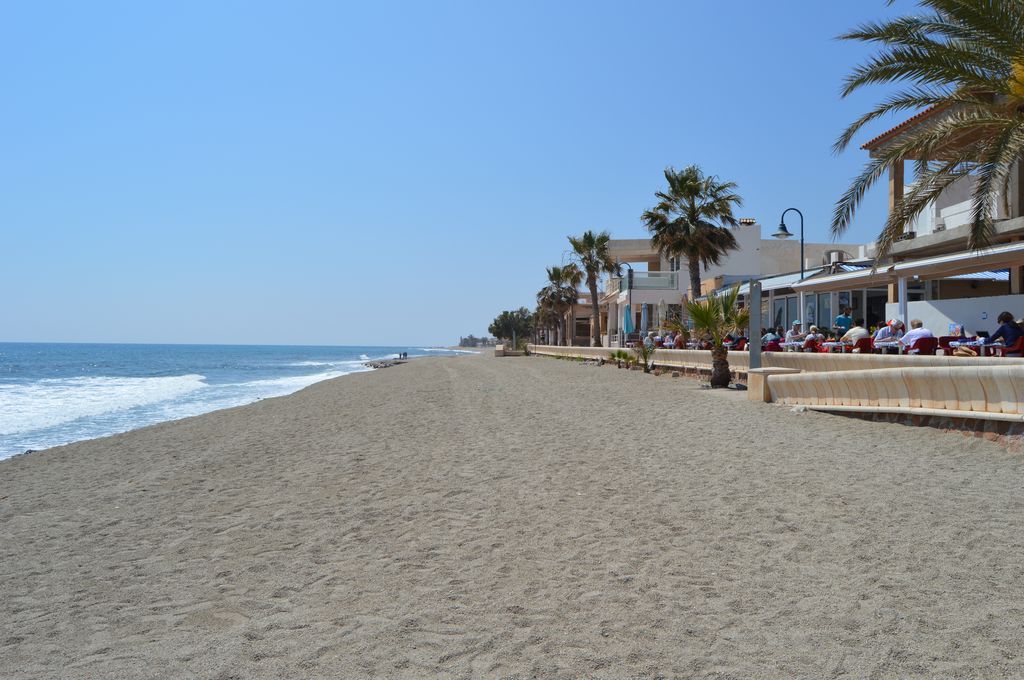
[[655, 280], [644, 281]]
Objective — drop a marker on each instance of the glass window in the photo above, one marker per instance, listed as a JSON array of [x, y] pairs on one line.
[[810, 317], [792, 310], [825, 309], [779, 313]]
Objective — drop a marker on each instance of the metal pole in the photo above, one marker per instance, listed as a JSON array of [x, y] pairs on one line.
[[801, 245], [783, 234], [754, 339]]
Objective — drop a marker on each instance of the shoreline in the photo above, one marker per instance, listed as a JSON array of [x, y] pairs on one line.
[[483, 516], [369, 365]]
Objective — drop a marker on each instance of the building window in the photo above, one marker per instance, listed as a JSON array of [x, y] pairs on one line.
[[792, 310], [825, 309]]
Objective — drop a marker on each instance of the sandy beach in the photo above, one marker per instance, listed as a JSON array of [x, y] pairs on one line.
[[517, 517]]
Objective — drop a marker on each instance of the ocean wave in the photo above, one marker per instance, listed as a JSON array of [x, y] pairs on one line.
[[51, 402], [445, 349], [277, 387]]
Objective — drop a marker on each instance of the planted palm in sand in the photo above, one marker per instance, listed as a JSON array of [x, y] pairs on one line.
[[717, 316]]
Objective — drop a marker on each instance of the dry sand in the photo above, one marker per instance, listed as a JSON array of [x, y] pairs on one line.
[[528, 517]]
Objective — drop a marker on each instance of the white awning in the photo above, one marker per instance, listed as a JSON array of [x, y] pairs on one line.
[[938, 267]]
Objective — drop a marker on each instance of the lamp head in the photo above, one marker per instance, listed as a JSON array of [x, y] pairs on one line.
[[782, 232]]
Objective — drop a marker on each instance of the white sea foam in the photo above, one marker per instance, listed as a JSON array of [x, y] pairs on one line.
[[50, 402], [445, 349]]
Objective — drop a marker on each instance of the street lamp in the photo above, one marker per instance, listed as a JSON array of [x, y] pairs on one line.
[[784, 233], [629, 294]]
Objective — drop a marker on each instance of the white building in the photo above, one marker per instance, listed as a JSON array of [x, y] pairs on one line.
[[661, 283]]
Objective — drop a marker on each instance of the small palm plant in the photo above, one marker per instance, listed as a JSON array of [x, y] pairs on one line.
[[644, 354], [718, 316], [620, 356]]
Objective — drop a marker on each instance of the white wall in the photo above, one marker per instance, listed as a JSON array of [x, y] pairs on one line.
[[976, 314]]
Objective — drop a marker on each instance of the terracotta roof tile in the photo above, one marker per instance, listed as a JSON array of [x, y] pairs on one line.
[[876, 142]]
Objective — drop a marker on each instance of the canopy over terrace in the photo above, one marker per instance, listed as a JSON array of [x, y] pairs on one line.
[[898, 273]]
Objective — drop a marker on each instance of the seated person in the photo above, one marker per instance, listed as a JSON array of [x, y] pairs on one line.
[[856, 332], [890, 332], [795, 334], [679, 342], [769, 336], [814, 334], [1009, 332], [916, 332], [649, 340]]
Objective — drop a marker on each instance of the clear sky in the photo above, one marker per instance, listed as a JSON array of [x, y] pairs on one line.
[[383, 172]]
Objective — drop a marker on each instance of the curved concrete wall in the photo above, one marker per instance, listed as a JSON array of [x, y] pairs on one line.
[[804, 361], [956, 391]]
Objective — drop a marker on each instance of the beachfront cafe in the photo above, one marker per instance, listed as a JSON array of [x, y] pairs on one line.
[[956, 294]]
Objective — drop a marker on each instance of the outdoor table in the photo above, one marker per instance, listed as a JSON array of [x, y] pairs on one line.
[[979, 344], [843, 347], [792, 346], [891, 344]]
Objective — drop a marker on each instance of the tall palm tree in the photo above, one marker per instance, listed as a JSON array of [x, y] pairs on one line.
[[692, 220], [965, 60], [718, 316], [547, 318], [559, 295], [593, 258]]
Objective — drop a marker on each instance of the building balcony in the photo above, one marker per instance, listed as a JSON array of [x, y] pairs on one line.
[[643, 281]]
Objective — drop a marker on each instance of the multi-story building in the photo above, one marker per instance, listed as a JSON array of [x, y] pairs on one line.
[[930, 273], [652, 286]]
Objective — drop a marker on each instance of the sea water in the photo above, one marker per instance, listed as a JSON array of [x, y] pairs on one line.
[[52, 394]]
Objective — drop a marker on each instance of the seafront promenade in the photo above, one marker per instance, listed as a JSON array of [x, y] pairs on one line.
[[513, 517]]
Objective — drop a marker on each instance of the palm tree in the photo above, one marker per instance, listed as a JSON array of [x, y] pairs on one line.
[[964, 60], [591, 253], [547, 318], [718, 316], [692, 220], [561, 294]]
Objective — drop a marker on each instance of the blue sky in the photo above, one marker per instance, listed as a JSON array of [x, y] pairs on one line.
[[384, 173]]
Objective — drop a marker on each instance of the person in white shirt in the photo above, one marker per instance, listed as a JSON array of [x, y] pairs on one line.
[[794, 334], [856, 333], [814, 334], [890, 332], [916, 332]]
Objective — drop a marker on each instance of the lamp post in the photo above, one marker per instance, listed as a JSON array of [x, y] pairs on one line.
[[784, 233], [629, 296]]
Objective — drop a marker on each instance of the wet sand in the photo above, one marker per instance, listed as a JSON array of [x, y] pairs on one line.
[[515, 517]]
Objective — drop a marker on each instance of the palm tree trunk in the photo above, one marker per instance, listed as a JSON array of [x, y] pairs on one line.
[[595, 314], [694, 266], [720, 366], [561, 329]]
